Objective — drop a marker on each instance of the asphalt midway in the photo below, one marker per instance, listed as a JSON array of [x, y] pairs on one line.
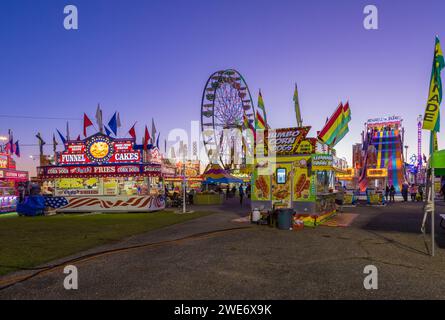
[[188, 261]]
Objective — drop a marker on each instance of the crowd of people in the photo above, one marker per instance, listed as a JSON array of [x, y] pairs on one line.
[[414, 191], [174, 196]]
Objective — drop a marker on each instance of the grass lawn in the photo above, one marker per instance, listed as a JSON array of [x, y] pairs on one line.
[[30, 241]]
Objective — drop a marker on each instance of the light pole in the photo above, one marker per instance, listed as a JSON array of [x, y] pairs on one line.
[[406, 153]]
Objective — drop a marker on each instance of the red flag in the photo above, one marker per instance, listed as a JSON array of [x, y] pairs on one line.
[[86, 123], [146, 138], [132, 132]]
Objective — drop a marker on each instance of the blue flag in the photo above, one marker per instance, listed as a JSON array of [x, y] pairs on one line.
[[17, 149], [108, 132], [113, 124], [62, 138]]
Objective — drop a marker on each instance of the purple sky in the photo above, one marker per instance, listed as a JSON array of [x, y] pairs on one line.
[[152, 59]]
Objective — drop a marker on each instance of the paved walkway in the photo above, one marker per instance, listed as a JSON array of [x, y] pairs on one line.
[[261, 262]]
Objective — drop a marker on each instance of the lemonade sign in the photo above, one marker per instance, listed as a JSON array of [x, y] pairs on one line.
[[322, 162]]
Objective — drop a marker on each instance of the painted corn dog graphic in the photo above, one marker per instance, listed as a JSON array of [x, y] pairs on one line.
[[301, 185], [261, 185]]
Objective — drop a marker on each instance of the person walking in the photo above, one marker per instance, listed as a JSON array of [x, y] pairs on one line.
[[392, 192], [405, 192], [339, 197], [233, 191], [387, 193], [413, 192], [241, 194], [420, 190]]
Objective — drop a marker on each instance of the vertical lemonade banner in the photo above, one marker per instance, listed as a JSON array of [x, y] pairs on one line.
[[431, 119], [431, 122]]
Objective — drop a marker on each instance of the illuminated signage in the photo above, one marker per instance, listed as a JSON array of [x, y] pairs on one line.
[[72, 158], [391, 119], [348, 175], [132, 156], [100, 149], [286, 141], [377, 173], [322, 162], [3, 161], [15, 175], [102, 170]]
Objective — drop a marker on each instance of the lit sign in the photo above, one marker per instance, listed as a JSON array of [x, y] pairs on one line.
[[3, 161], [348, 175], [377, 173], [133, 156], [286, 141], [391, 119], [322, 162], [67, 158], [15, 175], [102, 170], [100, 149]]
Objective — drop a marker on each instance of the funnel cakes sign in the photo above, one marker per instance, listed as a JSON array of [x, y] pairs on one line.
[[99, 149]]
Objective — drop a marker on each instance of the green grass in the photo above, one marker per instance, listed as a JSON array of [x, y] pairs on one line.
[[29, 241]]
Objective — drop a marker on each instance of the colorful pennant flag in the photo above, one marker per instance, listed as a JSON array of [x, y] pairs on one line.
[[86, 123], [17, 149], [10, 142], [54, 143], [107, 131], [119, 124], [297, 108], [262, 107], [259, 122], [132, 132], [67, 131], [146, 138], [112, 124], [344, 129], [153, 130], [99, 119], [333, 127], [62, 138]]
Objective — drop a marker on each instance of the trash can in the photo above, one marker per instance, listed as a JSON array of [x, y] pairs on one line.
[[284, 218]]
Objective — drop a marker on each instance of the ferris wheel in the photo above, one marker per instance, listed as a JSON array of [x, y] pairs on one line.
[[225, 100]]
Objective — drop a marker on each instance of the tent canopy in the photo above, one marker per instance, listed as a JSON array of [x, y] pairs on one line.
[[216, 174], [437, 161]]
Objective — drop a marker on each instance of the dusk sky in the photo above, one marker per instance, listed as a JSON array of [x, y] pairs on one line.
[[152, 59]]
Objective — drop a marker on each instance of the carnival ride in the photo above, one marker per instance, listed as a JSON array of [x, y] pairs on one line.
[[382, 147], [226, 99]]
